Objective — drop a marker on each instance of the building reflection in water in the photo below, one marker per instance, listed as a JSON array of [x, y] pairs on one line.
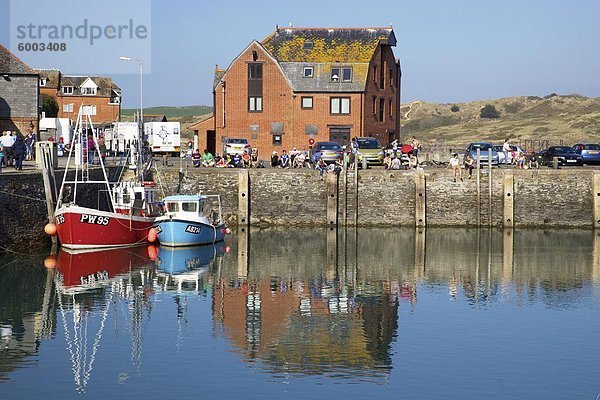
[[323, 302]]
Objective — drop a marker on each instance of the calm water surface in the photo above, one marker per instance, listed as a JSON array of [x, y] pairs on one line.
[[441, 314]]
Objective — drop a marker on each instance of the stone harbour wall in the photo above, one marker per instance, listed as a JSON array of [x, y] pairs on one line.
[[272, 197]]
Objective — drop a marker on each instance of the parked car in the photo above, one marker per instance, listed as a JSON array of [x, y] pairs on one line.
[[371, 149], [590, 152], [500, 152], [484, 147], [234, 146], [328, 151], [566, 156]]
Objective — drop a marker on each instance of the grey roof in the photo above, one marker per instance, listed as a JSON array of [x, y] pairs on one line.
[[321, 80], [11, 64], [52, 77], [105, 84]]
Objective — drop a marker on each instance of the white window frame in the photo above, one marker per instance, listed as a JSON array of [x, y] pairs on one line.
[[255, 104], [67, 89], [342, 77], [89, 91], [339, 105], [68, 108], [307, 99], [88, 110], [306, 69]]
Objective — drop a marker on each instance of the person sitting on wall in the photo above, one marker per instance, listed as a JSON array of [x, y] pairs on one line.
[[222, 162], [321, 166], [284, 161], [236, 161], [387, 161], [196, 158], [395, 163], [207, 158], [254, 158], [299, 160], [274, 160], [246, 160]]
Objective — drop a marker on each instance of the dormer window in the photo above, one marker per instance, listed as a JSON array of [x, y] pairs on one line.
[[308, 45], [67, 89], [308, 72], [335, 74], [347, 74], [89, 91], [43, 81]]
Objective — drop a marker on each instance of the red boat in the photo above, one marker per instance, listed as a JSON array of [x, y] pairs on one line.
[[127, 212]]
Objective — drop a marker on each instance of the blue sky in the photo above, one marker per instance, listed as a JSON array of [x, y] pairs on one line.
[[450, 51]]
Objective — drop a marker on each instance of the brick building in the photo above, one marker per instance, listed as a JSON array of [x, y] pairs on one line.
[[300, 84], [19, 96], [100, 95]]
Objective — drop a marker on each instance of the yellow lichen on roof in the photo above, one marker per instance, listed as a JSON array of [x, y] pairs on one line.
[[334, 49]]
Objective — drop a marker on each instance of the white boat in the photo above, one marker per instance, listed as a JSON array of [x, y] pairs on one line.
[[186, 221]]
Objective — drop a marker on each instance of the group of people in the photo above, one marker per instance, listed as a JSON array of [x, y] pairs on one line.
[[295, 159], [237, 160], [14, 149]]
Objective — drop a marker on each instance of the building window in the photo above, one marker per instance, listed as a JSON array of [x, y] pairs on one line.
[[390, 107], [374, 105], [88, 91], [67, 89], [255, 71], [255, 104], [307, 103], [277, 139], [308, 72], [381, 109], [335, 74], [375, 73], [43, 81], [88, 110], [340, 105], [391, 77], [68, 108], [347, 74]]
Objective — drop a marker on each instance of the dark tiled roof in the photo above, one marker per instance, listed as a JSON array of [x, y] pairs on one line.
[[344, 45], [155, 118], [52, 77], [11, 64], [105, 84]]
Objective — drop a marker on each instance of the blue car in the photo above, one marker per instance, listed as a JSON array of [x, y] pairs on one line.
[[328, 151], [589, 152], [484, 148]]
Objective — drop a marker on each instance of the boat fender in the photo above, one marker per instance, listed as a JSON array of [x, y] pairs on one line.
[[152, 235], [50, 229], [153, 252]]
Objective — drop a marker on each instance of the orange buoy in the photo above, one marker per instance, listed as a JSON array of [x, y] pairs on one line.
[[153, 252], [50, 262], [152, 235], [50, 229]]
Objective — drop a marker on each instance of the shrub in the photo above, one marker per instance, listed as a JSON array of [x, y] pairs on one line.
[[455, 108], [489, 111], [49, 106]]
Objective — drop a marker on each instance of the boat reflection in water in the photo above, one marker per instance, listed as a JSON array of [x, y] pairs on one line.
[[88, 284]]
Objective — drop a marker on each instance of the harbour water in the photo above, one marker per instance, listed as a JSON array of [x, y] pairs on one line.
[[373, 313]]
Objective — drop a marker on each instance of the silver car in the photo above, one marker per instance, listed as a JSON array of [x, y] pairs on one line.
[[484, 148]]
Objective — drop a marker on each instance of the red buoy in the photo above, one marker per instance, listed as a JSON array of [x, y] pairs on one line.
[[152, 235]]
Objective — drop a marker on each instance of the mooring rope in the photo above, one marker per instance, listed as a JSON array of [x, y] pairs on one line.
[[22, 196]]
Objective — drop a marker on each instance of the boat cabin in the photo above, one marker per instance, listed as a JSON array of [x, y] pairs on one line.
[[188, 207], [132, 198]]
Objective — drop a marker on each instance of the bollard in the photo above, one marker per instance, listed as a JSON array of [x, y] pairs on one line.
[[164, 160], [364, 163], [555, 162]]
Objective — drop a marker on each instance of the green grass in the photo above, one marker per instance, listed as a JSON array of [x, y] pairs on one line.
[[171, 112]]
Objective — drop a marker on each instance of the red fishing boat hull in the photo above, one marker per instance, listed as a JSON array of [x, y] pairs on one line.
[[87, 228]]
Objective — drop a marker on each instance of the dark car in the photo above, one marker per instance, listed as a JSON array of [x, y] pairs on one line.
[[590, 152], [328, 151], [565, 155]]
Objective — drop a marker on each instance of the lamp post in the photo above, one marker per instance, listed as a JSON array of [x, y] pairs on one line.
[[141, 118]]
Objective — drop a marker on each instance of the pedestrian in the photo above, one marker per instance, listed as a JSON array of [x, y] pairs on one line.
[[20, 151], [101, 147], [28, 146], [321, 166], [7, 144], [91, 148], [506, 150], [196, 158], [469, 164], [395, 147], [454, 164], [1, 156]]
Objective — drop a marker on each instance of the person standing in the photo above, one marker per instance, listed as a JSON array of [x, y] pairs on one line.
[[20, 149], [7, 144], [454, 164], [506, 150], [28, 146], [469, 165]]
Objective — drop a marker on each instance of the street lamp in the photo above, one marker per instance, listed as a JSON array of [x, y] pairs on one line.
[[141, 119]]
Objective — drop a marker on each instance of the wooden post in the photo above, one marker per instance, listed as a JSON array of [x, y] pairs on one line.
[[46, 166], [490, 186], [331, 252], [420, 200], [243, 198], [242, 253], [478, 187], [508, 216], [332, 200], [596, 201]]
